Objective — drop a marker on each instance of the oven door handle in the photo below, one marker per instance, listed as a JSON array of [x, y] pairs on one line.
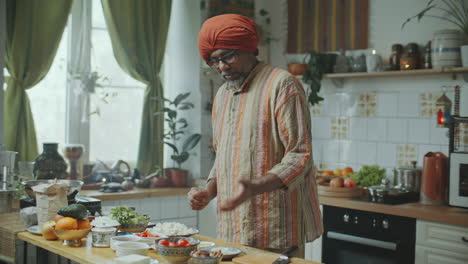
[[362, 240]]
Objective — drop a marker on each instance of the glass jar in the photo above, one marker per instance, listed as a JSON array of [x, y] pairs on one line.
[[102, 236], [394, 60], [49, 164]]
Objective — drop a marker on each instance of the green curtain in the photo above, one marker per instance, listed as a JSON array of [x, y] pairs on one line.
[[34, 30], [138, 30]]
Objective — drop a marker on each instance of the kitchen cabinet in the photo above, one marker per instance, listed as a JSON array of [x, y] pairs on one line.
[[440, 243]]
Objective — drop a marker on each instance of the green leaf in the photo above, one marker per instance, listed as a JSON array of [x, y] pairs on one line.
[[191, 142], [174, 148], [181, 158], [172, 114], [179, 98]]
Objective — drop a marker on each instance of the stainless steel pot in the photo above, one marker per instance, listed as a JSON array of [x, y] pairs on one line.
[[409, 178]]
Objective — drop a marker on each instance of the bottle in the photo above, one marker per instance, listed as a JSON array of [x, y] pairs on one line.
[[427, 55], [394, 59], [49, 164]]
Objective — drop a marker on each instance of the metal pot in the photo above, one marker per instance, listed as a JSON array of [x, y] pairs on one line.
[[409, 178]]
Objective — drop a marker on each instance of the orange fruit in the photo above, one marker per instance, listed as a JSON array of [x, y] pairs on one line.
[[83, 224], [66, 223], [348, 170], [57, 217], [327, 173]]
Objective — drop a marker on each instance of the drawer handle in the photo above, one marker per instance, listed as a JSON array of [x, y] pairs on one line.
[[464, 239]]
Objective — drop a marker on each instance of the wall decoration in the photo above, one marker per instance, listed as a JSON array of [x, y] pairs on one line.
[[327, 25], [427, 104], [340, 128], [368, 104], [405, 154]]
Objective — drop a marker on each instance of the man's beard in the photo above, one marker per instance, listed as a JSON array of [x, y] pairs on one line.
[[235, 84]]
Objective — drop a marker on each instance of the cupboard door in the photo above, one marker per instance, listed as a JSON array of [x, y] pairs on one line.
[[442, 236], [426, 255]]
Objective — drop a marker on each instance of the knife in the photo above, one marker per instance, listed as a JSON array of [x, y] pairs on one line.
[[284, 257]]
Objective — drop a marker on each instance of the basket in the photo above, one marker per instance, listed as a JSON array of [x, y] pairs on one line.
[[343, 192]]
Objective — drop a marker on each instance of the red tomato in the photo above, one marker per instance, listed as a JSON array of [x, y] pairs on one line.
[[140, 234], [163, 242], [182, 242], [189, 244], [172, 244]]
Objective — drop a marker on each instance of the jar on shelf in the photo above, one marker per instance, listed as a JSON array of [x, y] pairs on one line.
[[394, 60], [49, 164], [410, 58]]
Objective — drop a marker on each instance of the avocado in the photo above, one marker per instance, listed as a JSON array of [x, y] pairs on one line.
[[77, 211]]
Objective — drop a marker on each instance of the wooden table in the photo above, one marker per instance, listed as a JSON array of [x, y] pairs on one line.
[[88, 254]]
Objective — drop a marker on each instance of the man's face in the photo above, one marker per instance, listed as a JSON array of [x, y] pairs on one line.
[[231, 64]]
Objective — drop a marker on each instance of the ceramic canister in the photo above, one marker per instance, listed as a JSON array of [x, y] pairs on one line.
[[446, 48]]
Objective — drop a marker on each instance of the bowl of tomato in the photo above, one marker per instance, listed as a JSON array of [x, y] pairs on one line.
[[175, 249], [149, 237]]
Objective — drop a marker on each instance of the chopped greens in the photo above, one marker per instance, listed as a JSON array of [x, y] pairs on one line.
[[126, 216]]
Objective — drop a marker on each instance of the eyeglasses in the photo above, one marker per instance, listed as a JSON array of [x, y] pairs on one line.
[[227, 58]]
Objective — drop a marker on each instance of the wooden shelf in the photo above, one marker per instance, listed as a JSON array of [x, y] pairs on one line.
[[396, 73]]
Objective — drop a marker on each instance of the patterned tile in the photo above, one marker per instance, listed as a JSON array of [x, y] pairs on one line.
[[368, 104], [427, 107], [405, 154], [316, 109], [340, 128]]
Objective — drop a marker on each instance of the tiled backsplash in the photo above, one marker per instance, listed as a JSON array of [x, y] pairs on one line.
[[386, 121]]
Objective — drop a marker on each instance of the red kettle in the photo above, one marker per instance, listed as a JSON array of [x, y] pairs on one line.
[[434, 178]]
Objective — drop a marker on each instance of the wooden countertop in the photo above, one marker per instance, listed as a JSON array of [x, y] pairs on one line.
[[436, 213], [137, 193], [89, 254]]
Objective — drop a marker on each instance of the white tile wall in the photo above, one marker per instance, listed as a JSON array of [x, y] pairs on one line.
[[377, 138]]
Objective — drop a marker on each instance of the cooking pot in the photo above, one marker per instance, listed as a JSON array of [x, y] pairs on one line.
[[409, 178]]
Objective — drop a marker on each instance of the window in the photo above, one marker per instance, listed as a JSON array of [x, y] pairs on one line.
[[115, 109]]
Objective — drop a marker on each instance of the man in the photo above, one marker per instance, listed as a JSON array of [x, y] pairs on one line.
[[263, 174]]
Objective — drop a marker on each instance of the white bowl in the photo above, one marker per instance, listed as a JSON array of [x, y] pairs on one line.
[[128, 248], [121, 239], [204, 244]]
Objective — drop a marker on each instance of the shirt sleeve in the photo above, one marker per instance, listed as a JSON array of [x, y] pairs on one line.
[[293, 124]]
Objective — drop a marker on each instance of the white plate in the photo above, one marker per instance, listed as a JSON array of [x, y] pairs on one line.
[[228, 252], [34, 230]]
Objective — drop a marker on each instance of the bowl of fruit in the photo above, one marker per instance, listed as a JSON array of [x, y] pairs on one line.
[[338, 183], [176, 249], [71, 224]]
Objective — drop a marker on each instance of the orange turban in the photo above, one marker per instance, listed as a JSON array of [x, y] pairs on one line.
[[229, 31]]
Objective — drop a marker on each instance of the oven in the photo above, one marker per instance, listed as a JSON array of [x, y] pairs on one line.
[[458, 181], [353, 236]]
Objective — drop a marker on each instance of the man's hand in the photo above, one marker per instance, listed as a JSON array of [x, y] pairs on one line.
[[245, 191], [248, 188], [198, 198]]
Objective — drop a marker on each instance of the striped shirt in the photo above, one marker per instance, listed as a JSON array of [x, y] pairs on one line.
[[263, 127]]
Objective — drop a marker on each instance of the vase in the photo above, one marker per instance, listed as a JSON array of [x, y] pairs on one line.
[[446, 48], [49, 164]]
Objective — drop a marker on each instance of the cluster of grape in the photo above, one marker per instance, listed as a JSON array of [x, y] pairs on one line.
[[368, 175]]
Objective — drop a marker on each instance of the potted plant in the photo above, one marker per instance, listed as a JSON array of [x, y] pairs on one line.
[[454, 12], [318, 64], [176, 128]]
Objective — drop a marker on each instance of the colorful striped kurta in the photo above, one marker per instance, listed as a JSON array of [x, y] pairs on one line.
[[264, 127]]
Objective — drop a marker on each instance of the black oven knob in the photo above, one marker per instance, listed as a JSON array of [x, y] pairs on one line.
[[374, 223], [385, 223], [346, 218], [355, 220]]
